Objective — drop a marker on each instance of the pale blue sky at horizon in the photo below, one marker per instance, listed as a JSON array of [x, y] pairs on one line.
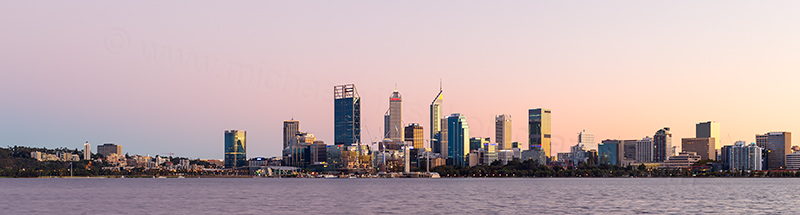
[[159, 77]]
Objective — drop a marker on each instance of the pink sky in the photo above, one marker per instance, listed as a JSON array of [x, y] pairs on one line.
[[159, 77]]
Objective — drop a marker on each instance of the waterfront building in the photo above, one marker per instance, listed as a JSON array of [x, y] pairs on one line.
[[457, 139], [562, 157], [436, 122], [413, 133], [709, 129], [290, 129], [662, 145], [793, 161], [610, 152], [535, 154], [347, 115], [539, 130], [644, 150], [502, 131], [577, 154], [741, 156], [776, 145], [703, 146], [109, 148], [235, 148], [87, 151], [682, 160]]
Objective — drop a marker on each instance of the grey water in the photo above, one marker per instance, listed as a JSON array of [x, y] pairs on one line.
[[401, 196]]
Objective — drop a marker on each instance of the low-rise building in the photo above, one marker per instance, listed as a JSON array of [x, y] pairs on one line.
[[682, 160]]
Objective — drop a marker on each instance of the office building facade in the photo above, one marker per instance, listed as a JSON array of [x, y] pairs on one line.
[[290, 129], [436, 122], [644, 150], [393, 118], [413, 133], [347, 115], [610, 152], [709, 129], [776, 145], [457, 139], [539, 130], [235, 148], [502, 131], [703, 146]]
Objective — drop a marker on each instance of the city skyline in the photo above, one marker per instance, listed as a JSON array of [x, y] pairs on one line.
[[156, 83]]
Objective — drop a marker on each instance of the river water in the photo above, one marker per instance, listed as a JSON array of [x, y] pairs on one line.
[[401, 196]]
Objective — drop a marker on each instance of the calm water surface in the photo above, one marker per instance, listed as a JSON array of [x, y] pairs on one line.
[[401, 196]]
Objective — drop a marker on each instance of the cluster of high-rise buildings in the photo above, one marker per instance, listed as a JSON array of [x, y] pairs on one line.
[[403, 145], [450, 143]]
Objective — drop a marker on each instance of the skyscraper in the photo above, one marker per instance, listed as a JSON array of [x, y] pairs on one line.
[[436, 123], [290, 128], [347, 115], [394, 126], [539, 129], [777, 145], [457, 139], [708, 129], [443, 137], [662, 145], [87, 151], [587, 139], [502, 131], [235, 148], [413, 132]]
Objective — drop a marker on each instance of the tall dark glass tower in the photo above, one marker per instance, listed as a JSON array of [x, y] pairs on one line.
[[539, 129], [235, 148], [662, 145], [346, 115]]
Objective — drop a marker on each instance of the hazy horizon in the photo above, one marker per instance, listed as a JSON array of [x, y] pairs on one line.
[[160, 77]]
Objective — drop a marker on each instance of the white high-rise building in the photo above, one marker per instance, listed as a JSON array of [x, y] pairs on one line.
[[502, 131], [87, 151], [587, 139]]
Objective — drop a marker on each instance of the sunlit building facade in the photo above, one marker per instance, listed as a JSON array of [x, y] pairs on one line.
[[413, 133], [539, 132], [235, 148], [436, 122], [502, 131]]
